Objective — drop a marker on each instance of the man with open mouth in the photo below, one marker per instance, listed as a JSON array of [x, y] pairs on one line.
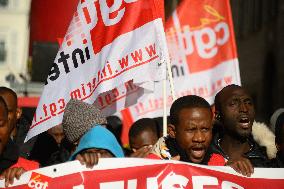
[[189, 132], [234, 110]]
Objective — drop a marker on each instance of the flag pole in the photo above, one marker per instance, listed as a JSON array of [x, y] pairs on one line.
[[170, 77], [165, 108]]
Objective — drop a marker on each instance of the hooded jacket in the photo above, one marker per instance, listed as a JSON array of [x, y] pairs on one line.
[[264, 137], [101, 138]]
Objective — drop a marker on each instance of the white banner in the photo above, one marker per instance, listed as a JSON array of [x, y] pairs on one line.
[[135, 173], [115, 49]]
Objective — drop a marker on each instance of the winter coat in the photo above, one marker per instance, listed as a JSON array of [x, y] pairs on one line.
[[277, 162], [44, 147], [25, 148], [10, 158], [256, 154], [264, 137], [262, 146]]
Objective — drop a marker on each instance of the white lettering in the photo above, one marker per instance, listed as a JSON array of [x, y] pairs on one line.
[[31, 184], [116, 185], [106, 11], [152, 183], [89, 11], [129, 1], [79, 187], [174, 181], [37, 184], [199, 181], [132, 184], [226, 34], [230, 185], [205, 41], [188, 38]]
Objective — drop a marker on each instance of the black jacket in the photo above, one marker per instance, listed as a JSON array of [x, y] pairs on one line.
[[277, 162], [23, 126], [9, 156], [256, 154], [44, 147]]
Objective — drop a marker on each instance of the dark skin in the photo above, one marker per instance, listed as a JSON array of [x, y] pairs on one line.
[[57, 133], [10, 173], [4, 128], [90, 157], [236, 115], [193, 132], [141, 145], [14, 113], [142, 152]]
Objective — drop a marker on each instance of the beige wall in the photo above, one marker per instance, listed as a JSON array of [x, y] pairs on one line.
[[14, 30]]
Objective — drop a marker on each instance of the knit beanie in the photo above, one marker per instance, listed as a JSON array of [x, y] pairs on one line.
[[274, 118], [79, 117]]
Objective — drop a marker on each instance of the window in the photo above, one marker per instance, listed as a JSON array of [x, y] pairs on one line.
[[3, 52], [3, 3]]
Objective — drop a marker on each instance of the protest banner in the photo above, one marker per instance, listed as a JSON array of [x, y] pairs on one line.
[[113, 53], [203, 54], [135, 173]]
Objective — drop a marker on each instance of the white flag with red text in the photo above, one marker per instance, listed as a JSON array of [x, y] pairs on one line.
[[202, 48], [112, 54]]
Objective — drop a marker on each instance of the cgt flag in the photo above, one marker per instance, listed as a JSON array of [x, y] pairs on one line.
[[203, 53], [112, 53]]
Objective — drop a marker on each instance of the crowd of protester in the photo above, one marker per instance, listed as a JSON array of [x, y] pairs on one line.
[[227, 136]]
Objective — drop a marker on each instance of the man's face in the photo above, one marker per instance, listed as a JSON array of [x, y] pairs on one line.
[[194, 132], [4, 128], [12, 109], [237, 112], [145, 138], [57, 133]]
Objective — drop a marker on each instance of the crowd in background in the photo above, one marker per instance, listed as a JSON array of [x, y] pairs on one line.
[[227, 136]]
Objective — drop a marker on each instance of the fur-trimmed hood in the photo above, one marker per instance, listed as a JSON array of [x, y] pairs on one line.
[[264, 137]]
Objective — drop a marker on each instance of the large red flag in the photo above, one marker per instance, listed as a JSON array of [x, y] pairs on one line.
[[203, 54]]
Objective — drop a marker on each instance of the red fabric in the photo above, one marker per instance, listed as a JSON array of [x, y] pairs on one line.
[[50, 19], [28, 101], [28, 165], [217, 160], [127, 121], [152, 156]]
